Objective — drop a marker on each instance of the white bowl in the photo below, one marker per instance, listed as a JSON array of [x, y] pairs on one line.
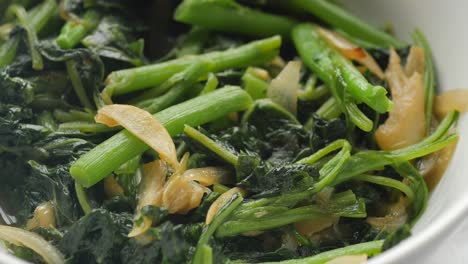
[[444, 23]]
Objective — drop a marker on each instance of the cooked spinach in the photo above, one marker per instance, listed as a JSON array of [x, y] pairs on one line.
[[274, 185]]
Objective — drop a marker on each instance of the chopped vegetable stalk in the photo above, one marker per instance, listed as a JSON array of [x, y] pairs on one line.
[[349, 259], [142, 125], [340, 18], [406, 124], [82, 199], [129, 80], [370, 248], [25, 22], [191, 75], [210, 85], [33, 241], [284, 88], [330, 66], [267, 217], [331, 169], [76, 29], [40, 15], [78, 84], [211, 145], [430, 81], [109, 155], [229, 16], [210, 229]]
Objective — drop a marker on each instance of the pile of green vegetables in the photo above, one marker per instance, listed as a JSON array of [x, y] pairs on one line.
[[303, 152]]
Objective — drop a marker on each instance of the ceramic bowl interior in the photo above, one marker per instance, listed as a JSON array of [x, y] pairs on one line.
[[444, 23]]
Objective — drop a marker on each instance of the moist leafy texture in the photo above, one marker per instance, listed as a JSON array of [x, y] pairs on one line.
[[266, 184]]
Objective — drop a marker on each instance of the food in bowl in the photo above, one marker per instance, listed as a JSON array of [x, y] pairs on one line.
[[271, 131]]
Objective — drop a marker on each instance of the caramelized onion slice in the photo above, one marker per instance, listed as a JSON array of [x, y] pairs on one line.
[[310, 227], [44, 216], [143, 125], [284, 88], [32, 241], [151, 190], [208, 176], [405, 124], [220, 202], [396, 217], [446, 102], [351, 51], [438, 163]]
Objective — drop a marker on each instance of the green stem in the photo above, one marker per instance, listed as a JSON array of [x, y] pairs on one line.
[[211, 84], [385, 181], [76, 29], [109, 155], [209, 230], [8, 50], [329, 110], [86, 127], [229, 16], [130, 80], [371, 248], [40, 15], [191, 75], [82, 199], [256, 87], [330, 66], [211, 145], [365, 161], [339, 18], [78, 84], [429, 76], [22, 16], [236, 227], [330, 170], [358, 117]]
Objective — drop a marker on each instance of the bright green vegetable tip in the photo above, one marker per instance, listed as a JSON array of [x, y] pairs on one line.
[[134, 79], [229, 16], [112, 153], [330, 66], [75, 30], [370, 248]]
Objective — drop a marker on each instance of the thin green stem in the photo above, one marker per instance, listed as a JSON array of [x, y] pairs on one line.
[[385, 181], [429, 76], [82, 198], [211, 84], [229, 16], [22, 16], [209, 230], [211, 145], [329, 109], [340, 18], [191, 75], [369, 248], [78, 84]]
